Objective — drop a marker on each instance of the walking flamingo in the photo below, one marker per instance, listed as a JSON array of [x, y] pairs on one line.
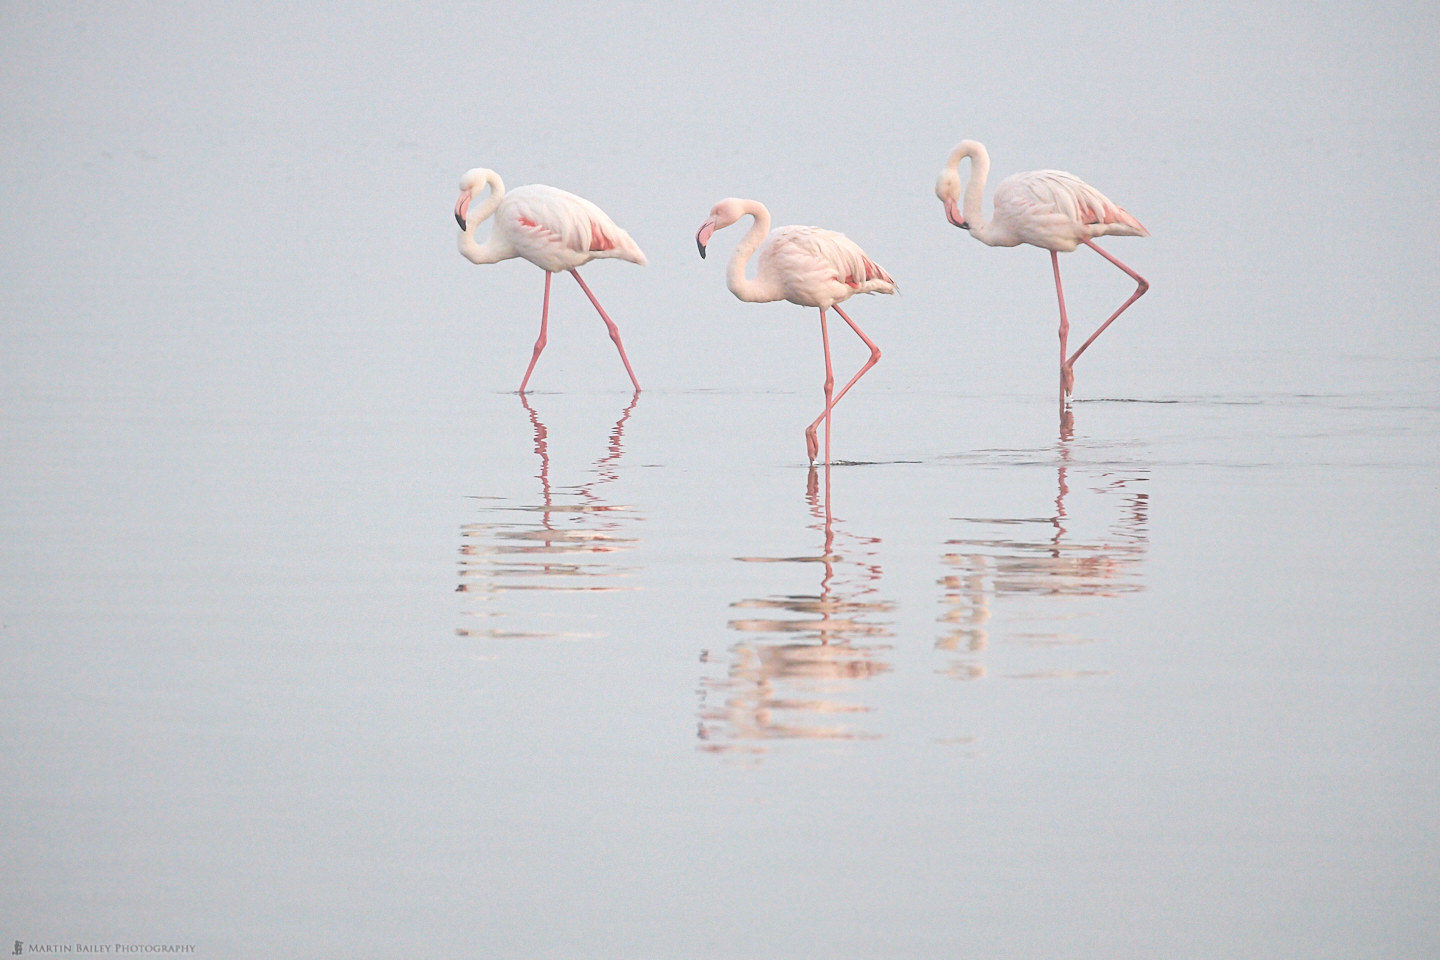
[[1044, 208], [552, 229], [805, 265]]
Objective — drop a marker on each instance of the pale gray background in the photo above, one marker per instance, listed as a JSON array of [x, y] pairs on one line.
[[251, 394]]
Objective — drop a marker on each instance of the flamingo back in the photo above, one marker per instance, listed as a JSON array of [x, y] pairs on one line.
[[1050, 207], [557, 230]]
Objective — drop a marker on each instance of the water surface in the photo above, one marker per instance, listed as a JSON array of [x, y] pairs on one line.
[[319, 641]]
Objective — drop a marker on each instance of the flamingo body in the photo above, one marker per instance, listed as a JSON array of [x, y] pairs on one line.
[[555, 230], [814, 267], [1051, 209], [808, 266], [552, 229], [1057, 211]]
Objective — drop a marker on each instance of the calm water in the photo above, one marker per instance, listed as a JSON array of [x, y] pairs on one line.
[[317, 641], [987, 697]]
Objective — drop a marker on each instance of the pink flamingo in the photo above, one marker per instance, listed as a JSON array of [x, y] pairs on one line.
[[805, 265], [552, 229], [1044, 208]]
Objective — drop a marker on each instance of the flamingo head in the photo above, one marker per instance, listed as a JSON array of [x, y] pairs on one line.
[[722, 215], [947, 188], [472, 182]]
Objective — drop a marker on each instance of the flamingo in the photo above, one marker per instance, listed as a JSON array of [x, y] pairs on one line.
[[1045, 208], [808, 266], [552, 229]]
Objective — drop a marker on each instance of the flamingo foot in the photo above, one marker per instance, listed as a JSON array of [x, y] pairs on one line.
[[1067, 379], [812, 445]]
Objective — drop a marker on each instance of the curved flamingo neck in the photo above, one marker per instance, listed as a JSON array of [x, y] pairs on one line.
[[752, 291], [494, 248], [974, 188]]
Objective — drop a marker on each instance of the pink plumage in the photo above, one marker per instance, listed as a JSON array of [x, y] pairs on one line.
[[805, 261], [1057, 211]]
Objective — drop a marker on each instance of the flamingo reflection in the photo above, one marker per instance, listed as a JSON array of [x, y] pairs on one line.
[[564, 543], [803, 654], [1096, 551]]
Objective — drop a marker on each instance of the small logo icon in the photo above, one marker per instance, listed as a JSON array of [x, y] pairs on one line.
[[19, 948]]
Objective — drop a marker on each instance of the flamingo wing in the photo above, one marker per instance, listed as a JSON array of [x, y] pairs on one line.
[[550, 217], [832, 255], [1064, 195]]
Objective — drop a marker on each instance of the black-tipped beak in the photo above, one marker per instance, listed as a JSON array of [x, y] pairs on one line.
[[952, 213], [703, 237], [462, 207]]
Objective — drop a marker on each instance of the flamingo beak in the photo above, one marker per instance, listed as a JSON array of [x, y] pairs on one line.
[[462, 207], [953, 214], [703, 237]]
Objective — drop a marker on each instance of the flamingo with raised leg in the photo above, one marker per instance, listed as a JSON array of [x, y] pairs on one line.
[[1045, 208], [552, 229], [805, 265]]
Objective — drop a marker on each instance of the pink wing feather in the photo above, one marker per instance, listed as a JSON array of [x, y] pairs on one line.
[[598, 239], [835, 253], [872, 271], [590, 237], [573, 223], [1074, 199]]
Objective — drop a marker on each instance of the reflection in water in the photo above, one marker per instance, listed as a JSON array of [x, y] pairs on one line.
[[1044, 557], [803, 654], [564, 543]]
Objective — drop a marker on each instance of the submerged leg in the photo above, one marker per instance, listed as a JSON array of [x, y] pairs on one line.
[[1141, 285], [609, 325], [831, 401], [540, 341]]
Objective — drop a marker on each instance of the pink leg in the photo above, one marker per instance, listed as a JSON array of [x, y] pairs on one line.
[[1067, 375], [1141, 286], [609, 325], [830, 402], [812, 446], [540, 342]]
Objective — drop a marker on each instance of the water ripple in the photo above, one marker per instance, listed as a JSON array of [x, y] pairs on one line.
[[568, 542]]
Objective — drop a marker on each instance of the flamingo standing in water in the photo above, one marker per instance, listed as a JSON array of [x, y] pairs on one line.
[[552, 229], [1045, 208], [805, 265]]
